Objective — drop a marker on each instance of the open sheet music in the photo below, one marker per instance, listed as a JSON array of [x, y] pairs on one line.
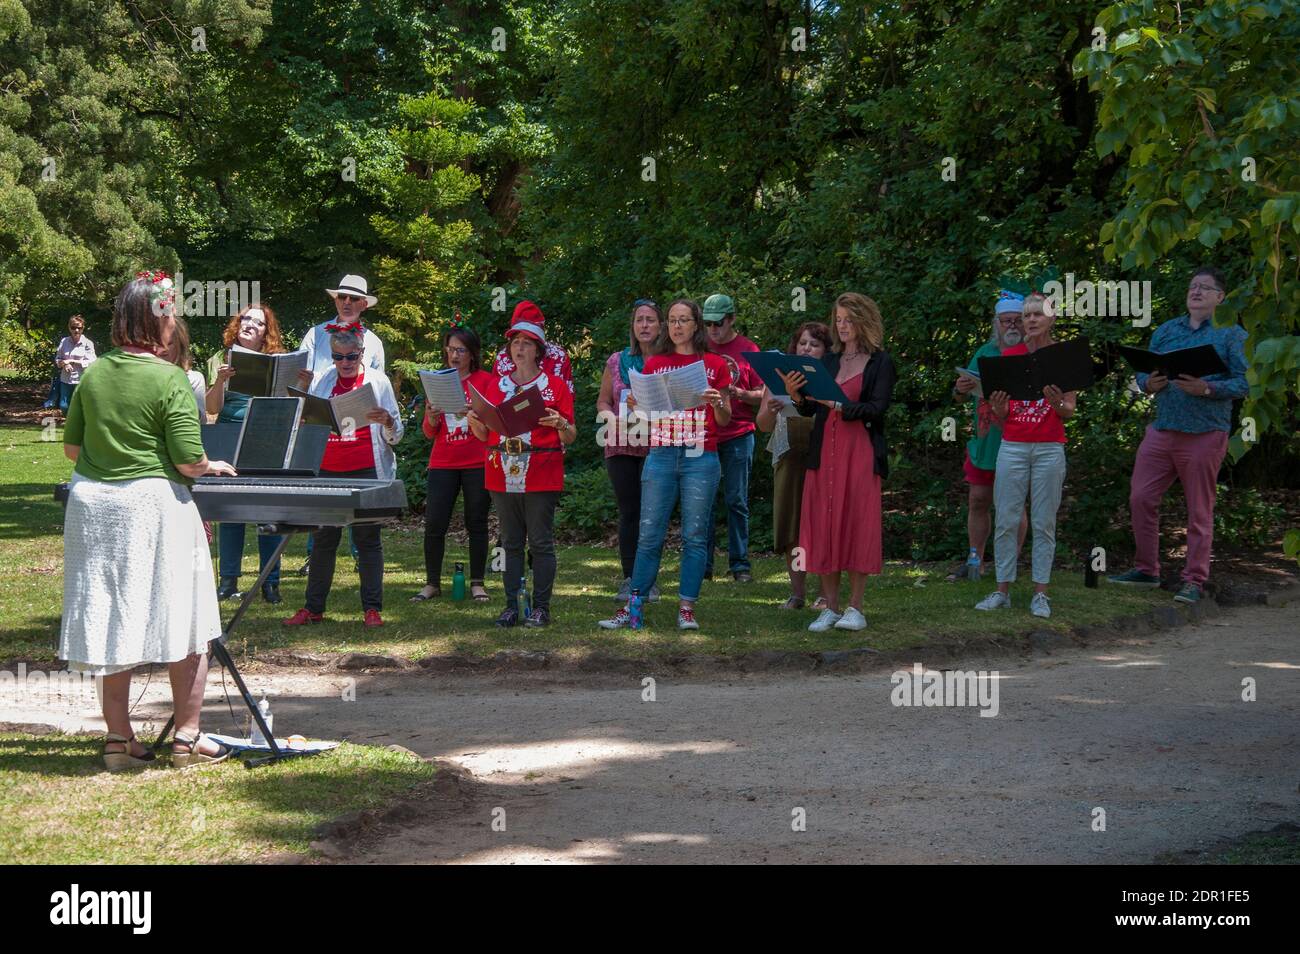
[[264, 375], [677, 390], [337, 412], [443, 391]]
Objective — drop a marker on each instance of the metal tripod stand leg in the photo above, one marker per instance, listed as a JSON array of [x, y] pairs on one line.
[[218, 649]]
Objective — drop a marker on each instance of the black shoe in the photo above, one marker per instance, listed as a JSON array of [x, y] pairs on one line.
[[509, 617], [306, 565], [742, 576], [538, 618], [271, 593], [227, 590]]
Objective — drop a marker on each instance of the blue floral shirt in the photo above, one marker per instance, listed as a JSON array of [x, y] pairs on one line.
[[1176, 411]]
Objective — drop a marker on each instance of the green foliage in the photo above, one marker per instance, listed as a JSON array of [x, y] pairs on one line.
[[586, 508], [30, 354], [1213, 162], [1244, 518]]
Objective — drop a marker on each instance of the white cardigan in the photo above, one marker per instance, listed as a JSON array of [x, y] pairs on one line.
[[382, 438]]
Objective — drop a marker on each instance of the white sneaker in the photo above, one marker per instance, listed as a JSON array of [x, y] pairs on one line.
[[1040, 605], [995, 600], [852, 619], [825, 621]]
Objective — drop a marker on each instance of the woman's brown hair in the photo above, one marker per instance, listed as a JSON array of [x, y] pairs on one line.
[[699, 340], [272, 342], [178, 352], [817, 329], [633, 343], [864, 313], [76, 321], [135, 322]]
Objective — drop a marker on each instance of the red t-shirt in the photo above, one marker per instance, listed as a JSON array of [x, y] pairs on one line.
[[1031, 422], [356, 452], [682, 428], [454, 446], [520, 473], [745, 377]]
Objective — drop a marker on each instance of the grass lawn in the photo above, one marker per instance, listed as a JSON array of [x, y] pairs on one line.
[[906, 606], [58, 805]]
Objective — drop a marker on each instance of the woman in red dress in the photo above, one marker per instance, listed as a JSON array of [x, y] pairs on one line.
[[840, 519]]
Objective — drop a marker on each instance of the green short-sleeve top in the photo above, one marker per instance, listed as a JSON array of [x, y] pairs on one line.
[[133, 416], [983, 447]]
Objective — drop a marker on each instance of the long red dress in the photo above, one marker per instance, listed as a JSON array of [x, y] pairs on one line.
[[840, 521]]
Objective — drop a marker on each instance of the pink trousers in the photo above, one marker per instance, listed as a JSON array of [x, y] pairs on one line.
[[1193, 460]]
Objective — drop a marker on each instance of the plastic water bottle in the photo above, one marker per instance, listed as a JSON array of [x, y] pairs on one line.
[[255, 735], [634, 610], [458, 583], [973, 565], [525, 604]]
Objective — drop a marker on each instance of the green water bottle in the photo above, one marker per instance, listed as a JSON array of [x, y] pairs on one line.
[[458, 583]]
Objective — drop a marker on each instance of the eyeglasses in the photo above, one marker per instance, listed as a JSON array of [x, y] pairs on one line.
[[348, 298], [678, 322], [1199, 286], [355, 355], [458, 351]]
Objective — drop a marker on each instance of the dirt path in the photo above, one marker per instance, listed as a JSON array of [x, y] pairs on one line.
[[1154, 732]]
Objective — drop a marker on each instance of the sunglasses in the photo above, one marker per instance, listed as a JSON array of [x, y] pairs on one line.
[[345, 357], [645, 301]]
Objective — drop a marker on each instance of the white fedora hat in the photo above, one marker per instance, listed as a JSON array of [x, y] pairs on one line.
[[354, 285]]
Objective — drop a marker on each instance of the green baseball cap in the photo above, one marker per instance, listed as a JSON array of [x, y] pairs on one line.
[[717, 307]]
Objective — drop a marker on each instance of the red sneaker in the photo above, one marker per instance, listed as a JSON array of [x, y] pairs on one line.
[[302, 618], [373, 618]]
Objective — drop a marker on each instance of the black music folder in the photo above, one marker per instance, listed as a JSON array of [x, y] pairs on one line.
[[264, 375], [1197, 362], [1067, 364]]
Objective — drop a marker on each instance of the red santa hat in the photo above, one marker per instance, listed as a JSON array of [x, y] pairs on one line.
[[527, 313]]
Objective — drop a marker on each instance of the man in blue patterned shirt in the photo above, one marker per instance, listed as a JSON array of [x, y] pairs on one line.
[[1188, 439]]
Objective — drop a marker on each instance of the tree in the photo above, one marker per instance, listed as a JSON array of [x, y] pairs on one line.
[[1207, 104], [430, 263]]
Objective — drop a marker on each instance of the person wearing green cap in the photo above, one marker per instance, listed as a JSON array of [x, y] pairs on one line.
[[736, 439]]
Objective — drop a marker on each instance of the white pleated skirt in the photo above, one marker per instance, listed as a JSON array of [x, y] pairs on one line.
[[137, 576]]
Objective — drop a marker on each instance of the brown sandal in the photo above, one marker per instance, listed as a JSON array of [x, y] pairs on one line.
[[121, 761]]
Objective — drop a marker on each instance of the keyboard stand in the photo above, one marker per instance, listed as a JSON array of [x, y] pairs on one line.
[[217, 648]]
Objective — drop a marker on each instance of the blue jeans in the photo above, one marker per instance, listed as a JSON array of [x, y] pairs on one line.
[[670, 473], [735, 458], [230, 552]]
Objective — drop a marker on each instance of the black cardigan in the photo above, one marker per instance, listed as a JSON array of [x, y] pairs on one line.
[[877, 390]]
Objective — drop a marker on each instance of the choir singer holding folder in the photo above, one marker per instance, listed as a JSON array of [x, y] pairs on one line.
[[525, 469], [1031, 459], [362, 452], [1188, 439]]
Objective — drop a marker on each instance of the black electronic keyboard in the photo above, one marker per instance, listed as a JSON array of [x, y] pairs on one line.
[[307, 502]]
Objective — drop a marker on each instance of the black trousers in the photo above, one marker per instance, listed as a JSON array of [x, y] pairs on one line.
[[439, 502], [528, 516], [625, 474], [370, 557]]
